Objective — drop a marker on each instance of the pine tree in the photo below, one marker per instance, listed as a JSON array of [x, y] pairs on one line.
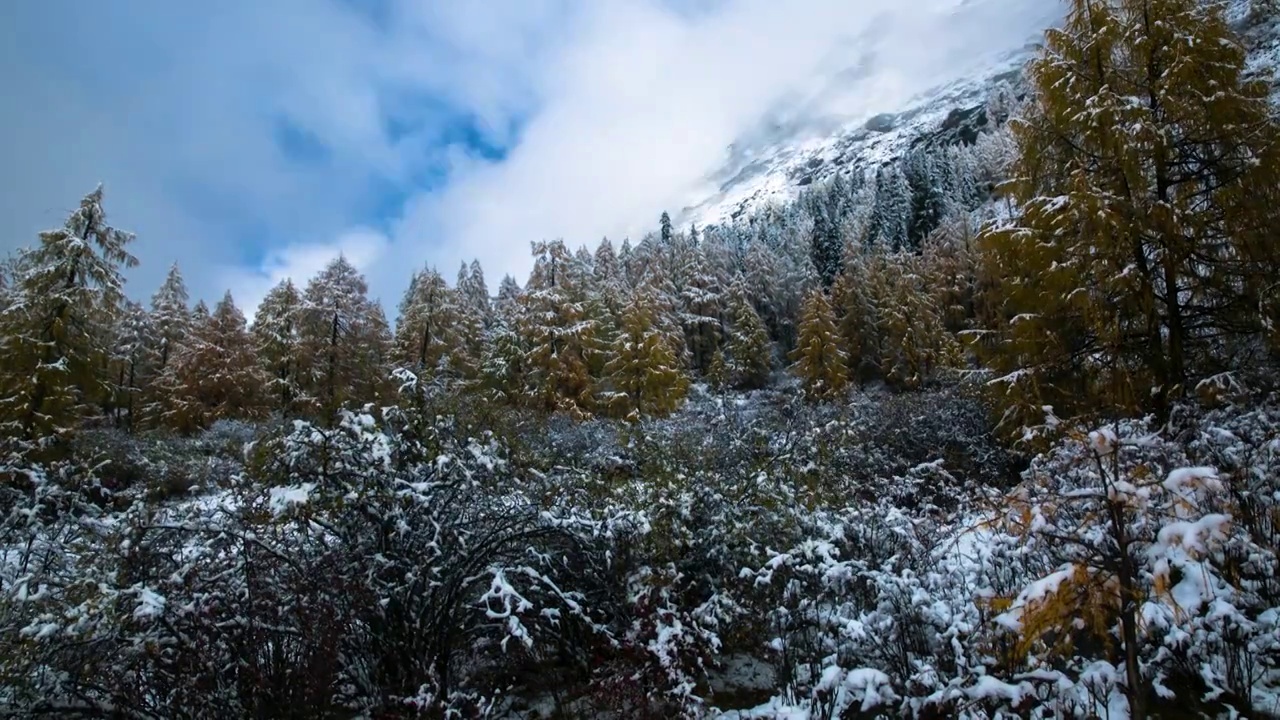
[[277, 343], [750, 352], [664, 223], [819, 361], [56, 331], [643, 369], [1146, 187]]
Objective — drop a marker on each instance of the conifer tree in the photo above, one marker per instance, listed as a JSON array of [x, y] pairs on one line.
[[428, 332], [819, 361], [277, 343], [475, 317], [507, 304], [891, 216], [170, 315], [1147, 193], [750, 354], [914, 343], [664, 226], [172, 321], [345, 341], [856, 317], [702, 314], [56, 331], [131, 363], [215, 374], [718, 371], [644, 369], [556, 331]]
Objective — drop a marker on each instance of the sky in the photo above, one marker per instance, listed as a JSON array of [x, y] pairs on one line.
[[250, 141]]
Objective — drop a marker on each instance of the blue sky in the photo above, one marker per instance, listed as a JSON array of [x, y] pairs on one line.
[[250, 140]]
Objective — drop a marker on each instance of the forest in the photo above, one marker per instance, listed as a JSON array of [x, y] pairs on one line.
[[989, 430]]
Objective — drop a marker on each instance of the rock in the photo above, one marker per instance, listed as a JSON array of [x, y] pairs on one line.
[[882, 123]]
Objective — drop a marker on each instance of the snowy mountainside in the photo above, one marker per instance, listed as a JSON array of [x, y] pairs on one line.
[[856, 116], [883, 92]]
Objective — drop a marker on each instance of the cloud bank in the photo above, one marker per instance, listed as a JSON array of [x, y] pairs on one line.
[[252, 141]]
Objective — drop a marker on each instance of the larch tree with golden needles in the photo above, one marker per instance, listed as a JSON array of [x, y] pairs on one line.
[[819, 360], [215, 376], [56, 331], [856, 316], [345, 341], [644, 370], [277, 343], [1148, 196], [428, 338], [558, 333]]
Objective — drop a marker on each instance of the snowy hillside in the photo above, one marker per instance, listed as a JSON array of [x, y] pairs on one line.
[[859, 115]]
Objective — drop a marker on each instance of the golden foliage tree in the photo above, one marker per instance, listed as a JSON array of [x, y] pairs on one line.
[[215, 375], [57, 328], [557, 331], [644, 368], [1146, 189], [819, 360]]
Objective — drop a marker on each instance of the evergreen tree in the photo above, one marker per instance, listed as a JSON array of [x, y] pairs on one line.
[[475, 317], [664, 223], [750, 354], [927, 202], [701, 313], [171, 316], [891, 216], [277, 343], [171, 319], [57, 329], [819, 361]]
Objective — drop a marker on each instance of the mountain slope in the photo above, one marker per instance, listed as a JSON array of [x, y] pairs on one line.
[[848, 122]]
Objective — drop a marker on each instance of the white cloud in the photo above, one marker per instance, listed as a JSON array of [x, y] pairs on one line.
[[614, 110], [642, 100]]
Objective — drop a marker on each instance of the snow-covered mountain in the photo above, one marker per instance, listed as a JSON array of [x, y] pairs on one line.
[[876, 99]]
